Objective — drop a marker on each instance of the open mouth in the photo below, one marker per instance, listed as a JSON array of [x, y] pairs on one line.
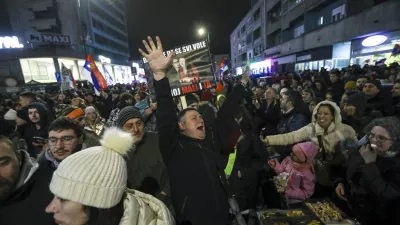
[[200, 128]]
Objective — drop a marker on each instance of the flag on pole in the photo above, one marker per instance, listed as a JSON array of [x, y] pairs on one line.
[[109, 78], [223, 66], [93, 75]]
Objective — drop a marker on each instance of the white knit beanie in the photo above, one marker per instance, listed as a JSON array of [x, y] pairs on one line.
[[95, 176]]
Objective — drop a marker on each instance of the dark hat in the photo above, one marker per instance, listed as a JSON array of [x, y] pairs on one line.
[[358, 100], [22, 114], [190, 99], [126, 114], [116, 92], [377, 83]]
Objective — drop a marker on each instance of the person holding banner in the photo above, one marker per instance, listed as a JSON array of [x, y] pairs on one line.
[[191, 152]]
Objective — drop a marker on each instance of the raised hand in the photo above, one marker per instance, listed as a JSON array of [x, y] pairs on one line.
[[155, 56]]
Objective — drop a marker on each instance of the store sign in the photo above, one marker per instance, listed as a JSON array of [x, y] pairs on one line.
[[44, 38], [104, 59], [304, 58], [10, 42]]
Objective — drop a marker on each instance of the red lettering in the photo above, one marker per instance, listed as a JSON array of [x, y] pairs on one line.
[[185, 90], [207, 84]]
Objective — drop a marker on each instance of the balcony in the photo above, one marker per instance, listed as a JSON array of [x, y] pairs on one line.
[[271, 4], [112, 14], [273, 27], [43, 24], [39, 5]]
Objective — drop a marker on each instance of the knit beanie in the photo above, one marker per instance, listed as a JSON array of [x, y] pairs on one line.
[[96, 176], [377, 83], [10, 115], [350, 85], [126, 114]]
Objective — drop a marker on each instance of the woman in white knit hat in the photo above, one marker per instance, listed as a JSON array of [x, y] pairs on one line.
[[90, 188]]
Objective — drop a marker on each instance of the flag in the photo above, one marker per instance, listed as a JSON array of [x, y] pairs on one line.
[[67, 76], [396, 50], [93, 75], [58, 77], [109, 78], [380, 62], [223, 66]]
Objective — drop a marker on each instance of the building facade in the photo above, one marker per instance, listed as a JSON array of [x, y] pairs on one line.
[[248, 38], [310, 34], [52, 33]]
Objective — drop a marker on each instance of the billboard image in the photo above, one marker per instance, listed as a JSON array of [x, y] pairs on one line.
[[191, 68], [262, 67]]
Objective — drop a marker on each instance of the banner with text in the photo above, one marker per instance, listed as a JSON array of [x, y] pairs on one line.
[[191, 69]]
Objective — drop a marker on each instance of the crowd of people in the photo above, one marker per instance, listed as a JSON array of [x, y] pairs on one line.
[[125, 157]]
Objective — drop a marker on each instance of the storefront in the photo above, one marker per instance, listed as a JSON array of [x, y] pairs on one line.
[[314, 59], [375, 48], [341, 55]]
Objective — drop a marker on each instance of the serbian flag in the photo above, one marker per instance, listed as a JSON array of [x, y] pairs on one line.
[[396, 50], [223, 66], [93, 75]]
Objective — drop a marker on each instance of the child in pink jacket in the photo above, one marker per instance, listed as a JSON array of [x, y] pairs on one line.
[[299, 165]]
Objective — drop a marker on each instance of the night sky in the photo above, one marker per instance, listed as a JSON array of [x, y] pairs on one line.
[[177, 21]]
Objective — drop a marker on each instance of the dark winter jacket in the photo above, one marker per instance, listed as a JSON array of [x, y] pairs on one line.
[[337, 91], [290, 122], [195, 166], [32, 195], [251, 161], [381, 104], [373, 189], [146, 170], [268, 116], [31, 130]]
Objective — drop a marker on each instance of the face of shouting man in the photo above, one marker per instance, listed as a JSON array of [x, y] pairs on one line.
[[192, 125], [135, 126]]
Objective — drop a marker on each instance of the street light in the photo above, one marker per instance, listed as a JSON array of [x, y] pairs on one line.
[[201, 31]]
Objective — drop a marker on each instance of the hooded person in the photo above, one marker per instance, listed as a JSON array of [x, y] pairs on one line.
[[325, 130], [300, 166], [22, 189], [125, 99], [93, 122], [146, 169], [36, 133], [89, 187]]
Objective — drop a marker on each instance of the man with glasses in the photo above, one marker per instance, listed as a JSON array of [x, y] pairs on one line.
[[146, 169]]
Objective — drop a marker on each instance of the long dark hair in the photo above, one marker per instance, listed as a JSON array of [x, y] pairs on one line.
[[111, 216]]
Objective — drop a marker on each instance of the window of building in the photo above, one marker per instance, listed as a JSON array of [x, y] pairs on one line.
[[338, 13], [244, 57], [287, 5], [298, 31], [238, 34], [321, 21], [257, 33], [257, 15], [258, 50], [38, 69], [249, 38], [243, 29], [249, 55]]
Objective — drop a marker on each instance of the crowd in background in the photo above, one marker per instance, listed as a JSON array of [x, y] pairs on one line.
[[336, 133]]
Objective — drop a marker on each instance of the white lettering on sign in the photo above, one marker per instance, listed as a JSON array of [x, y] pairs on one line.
[[56, 39], [104, 59], [10, 42]]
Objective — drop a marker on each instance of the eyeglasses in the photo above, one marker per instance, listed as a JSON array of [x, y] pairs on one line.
[[65, 140], [129, 126], [378, 138]]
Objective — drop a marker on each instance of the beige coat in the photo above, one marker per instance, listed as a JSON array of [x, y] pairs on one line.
[[143, 209], [336, 132]]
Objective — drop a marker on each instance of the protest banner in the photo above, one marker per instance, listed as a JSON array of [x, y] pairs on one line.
[[191, 69]]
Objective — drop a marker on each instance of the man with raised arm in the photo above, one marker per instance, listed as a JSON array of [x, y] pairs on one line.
[[191, 152]]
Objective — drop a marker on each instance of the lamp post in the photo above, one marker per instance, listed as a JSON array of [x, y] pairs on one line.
[[201, 31]]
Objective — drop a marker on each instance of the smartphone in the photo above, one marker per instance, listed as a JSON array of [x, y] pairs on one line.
[[362, 142], [39, 140]]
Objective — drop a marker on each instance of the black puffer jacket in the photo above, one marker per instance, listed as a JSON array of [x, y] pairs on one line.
[[195, 166], [373, 189]]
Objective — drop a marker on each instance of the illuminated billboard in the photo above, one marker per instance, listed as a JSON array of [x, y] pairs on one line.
[[262, 67]]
